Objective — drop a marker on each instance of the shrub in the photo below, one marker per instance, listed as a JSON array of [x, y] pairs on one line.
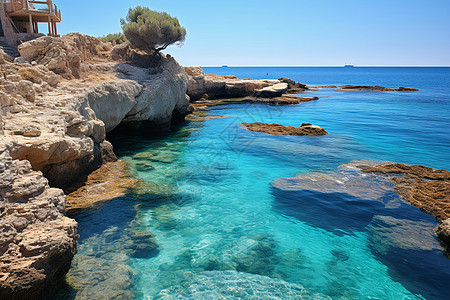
[[149, 30], [114, 38]]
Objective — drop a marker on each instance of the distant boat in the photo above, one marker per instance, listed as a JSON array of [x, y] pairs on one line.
[[224, 66], [349, 66]]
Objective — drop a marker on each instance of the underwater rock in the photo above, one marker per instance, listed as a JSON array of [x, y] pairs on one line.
[[144, 244], [423, 187], [112, 180], [144, 166], [281, 100], [255, 254], [164, 158], [100, 277], [443, 233], [236, 285], [106, 273], [143, 155], [387, 231], [306, 129], [338, 202], [144, 188]]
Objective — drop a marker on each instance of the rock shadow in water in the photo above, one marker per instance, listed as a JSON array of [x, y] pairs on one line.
[[399, 235], [98, 218], [335, 212], [414, 244]]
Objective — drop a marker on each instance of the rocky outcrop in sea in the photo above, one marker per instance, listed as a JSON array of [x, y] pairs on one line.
[[211, 86], [306, 129]]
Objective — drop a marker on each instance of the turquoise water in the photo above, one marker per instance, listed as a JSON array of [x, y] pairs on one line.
[[223, 230]]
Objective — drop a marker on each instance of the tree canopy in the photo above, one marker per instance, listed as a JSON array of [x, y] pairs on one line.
[[150, 30]]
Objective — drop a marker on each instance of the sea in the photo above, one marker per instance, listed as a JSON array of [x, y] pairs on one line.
[[211, 223]]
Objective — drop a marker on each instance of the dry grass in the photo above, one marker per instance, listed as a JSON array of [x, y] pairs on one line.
[[98, 77], [30, 74]]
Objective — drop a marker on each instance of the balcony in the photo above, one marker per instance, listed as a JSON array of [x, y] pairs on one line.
[[33, 12]]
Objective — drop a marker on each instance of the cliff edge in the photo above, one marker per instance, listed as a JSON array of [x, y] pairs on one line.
[[58, 101]]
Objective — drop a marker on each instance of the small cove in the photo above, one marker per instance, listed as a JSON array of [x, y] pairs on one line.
[[212, 209]]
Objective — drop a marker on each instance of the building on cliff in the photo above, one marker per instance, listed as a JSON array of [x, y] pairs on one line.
[[19, 19]]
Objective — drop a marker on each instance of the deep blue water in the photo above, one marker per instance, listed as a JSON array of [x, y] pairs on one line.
[[212, 208]]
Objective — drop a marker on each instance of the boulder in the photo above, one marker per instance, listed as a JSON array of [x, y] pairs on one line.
[[61, 54], [443, 232], [220, 87], [292, 85], [276, 90]]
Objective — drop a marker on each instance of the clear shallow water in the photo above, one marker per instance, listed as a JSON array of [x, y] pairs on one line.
[[212, 209]]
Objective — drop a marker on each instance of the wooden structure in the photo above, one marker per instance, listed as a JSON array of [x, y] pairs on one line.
[[24, 15]]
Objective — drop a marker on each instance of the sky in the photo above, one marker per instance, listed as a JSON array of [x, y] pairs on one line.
[[289, 32]]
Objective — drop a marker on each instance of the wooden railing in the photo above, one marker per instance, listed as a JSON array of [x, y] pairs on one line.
[[17, 5]]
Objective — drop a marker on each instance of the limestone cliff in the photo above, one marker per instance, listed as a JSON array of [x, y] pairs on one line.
[[58, 122], [57, 102]]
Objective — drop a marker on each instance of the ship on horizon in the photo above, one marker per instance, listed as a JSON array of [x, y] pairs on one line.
[[349, 66]]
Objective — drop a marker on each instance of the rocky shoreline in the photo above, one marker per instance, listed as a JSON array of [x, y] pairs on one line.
[[62, 97], [57, 104]]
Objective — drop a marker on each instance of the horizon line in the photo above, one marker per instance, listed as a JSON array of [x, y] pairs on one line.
[[342, 66]]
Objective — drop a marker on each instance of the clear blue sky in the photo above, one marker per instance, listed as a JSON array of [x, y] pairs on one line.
[[289, 32]]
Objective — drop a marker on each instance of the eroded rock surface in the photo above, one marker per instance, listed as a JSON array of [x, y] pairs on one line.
[[57, 104], [58, 121], [423, 187], [276, 90], [307, 129], [37, 240], [108, 182], [211, 86]]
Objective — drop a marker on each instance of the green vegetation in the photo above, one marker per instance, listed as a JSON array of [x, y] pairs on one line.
[[114, 38], [149, 30]]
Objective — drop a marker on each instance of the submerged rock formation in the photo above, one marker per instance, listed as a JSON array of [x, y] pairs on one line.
[[423, 187], [307, 129], [108, 182], [368, 182], [236, 285], [37, 240]]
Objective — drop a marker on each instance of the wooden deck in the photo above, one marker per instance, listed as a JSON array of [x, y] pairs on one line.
[[34, 12]]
